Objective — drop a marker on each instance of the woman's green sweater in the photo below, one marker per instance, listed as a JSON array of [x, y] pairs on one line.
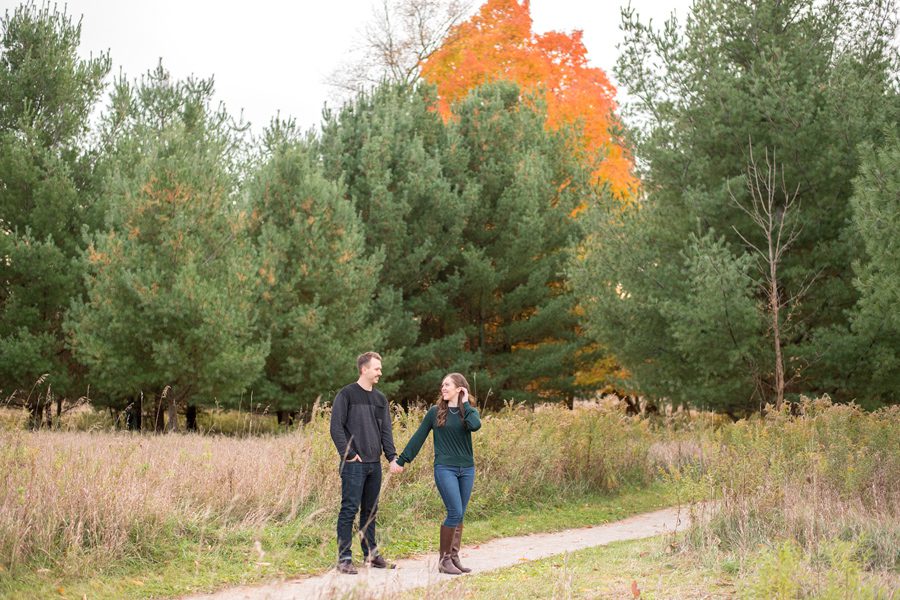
[[452, 442]]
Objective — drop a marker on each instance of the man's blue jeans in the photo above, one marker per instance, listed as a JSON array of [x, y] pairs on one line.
[[360, 486], [455, 487]]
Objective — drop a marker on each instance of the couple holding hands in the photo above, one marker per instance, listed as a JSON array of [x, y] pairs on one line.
[[361, 430]]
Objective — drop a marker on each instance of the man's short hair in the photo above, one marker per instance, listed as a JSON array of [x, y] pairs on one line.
[[365, 358]]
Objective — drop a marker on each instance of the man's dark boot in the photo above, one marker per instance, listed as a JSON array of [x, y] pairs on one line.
[[445, 563], [378, 562], [346, 567], [454, 549]]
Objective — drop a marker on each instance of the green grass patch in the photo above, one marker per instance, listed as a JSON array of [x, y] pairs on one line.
[[656, 566], [664, 567]]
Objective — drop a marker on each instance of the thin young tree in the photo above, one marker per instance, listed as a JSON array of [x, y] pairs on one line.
[[771, 207]]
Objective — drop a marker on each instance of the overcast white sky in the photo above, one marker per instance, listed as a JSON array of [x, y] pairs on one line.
[[272, 55]]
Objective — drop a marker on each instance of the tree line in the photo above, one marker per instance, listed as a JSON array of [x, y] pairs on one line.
[[163, 259]]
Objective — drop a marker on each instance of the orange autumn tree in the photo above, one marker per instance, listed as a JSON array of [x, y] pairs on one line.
[[498, 44]]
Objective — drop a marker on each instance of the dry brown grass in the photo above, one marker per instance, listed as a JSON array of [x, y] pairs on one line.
[[76, 500], [106, 495], [72, 501]]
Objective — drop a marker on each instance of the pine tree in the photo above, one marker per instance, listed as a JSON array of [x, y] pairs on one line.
[[803, 81], [316, 278], [46, 95], [171, 305], [390, 149], [682, 317], [870, 348], [511, 295]]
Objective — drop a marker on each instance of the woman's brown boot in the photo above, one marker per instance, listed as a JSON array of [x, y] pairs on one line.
[[445, 563], [454, 549]]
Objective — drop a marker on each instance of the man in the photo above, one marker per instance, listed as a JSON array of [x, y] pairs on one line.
[[361, 430]]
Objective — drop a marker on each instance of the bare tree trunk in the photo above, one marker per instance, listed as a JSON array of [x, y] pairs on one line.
[[775, 308], [160, 420], [632, 405], [39, 413], [133, 415], [191, 414], [172, 424]]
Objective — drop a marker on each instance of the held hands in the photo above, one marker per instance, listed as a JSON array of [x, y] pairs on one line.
[[395, 468]]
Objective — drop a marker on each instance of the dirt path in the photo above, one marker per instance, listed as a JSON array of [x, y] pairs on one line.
[[421, 571]]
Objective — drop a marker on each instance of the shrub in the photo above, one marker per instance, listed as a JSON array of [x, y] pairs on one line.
[[831, 472]]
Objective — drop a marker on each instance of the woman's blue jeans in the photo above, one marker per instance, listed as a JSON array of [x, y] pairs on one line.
[[455, 487]]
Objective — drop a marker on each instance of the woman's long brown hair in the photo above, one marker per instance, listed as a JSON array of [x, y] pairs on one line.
[[444, 406]]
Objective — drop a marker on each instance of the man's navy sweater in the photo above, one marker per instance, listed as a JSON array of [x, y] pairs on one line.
[[361, 424]]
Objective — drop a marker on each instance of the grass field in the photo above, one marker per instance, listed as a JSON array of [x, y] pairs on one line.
[[116, 515]]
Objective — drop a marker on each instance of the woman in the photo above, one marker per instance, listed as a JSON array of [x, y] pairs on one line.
[[453, 419]]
